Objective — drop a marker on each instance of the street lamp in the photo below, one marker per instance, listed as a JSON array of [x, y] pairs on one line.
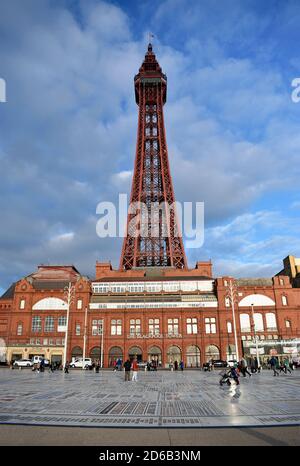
[[84, 337], [101, 348], [231, 294], [255, 336], [69, 295]]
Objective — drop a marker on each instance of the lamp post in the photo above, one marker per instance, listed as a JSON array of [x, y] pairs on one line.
[[84, 338], [101, 348], [69, 295], [255, 336], [231, 294]]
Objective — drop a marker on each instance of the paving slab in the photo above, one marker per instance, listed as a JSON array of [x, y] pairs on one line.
[[162, 399]]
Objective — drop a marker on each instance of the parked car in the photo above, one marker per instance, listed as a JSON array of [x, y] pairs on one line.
[[38, 359], [78, 362], [23, 363], [219, 363]]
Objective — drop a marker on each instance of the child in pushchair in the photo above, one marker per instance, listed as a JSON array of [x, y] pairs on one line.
[[229, 374]]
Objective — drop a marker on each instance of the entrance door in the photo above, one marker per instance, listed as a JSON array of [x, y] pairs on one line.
[[135, 352]]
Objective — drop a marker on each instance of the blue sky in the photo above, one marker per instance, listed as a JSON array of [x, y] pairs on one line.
[[68, 128]]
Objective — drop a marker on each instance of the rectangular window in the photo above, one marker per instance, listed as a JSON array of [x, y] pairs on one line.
[[229, 327], [191, 326], [51, 341], [79, 304], [58, 341], [227, 302], [49, 324], [116, 327], [135, 327], [77, 329], [20, 329], [154, 327], [96, 327], [22, 304], [173, 326], [45, 341], [36, 324], [62, 321], [284, 300], [38, 341], [32, 341], [210, 325]]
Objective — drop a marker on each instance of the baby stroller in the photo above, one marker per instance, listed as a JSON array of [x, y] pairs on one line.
[[225, 377]]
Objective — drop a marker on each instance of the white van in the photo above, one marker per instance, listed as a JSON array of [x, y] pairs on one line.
[[77, 362], [37, 360]]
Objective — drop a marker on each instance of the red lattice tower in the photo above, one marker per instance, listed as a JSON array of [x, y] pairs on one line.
[[152, 182]]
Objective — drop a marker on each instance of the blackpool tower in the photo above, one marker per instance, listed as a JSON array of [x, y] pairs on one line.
[[152, 237]]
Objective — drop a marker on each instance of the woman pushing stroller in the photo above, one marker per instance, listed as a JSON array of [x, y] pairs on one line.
[[232, 373]]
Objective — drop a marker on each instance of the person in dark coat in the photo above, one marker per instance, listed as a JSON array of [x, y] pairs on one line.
[[176, 365], [67, 365], [274, 364], [127, 367]]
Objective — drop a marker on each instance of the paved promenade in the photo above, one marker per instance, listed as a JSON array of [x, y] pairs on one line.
[[158, 399]]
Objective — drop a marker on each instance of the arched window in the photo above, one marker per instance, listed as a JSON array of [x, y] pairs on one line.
[[193, 356], [20, 329], [77, 352], [288, 323], [114, 354], [271, 320], [174, 354], [227, 301], [245, 322], [212, 352]]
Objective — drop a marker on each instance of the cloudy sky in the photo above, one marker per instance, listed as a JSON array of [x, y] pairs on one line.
[[68, 128]]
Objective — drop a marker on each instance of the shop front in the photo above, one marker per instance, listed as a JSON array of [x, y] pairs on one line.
[[281, 349]]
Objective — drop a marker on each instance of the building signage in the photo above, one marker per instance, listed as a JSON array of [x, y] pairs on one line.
[[159, 335]]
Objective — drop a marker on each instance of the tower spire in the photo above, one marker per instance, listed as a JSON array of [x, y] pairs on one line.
[[152, 237]]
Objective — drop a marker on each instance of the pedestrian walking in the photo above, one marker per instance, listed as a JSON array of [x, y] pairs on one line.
[[257, 369], [135, 369], [181, 365], [252, 365], [127, 367], [66, 369], [234, 374], [97, 366], [286, 364], [51, 367], [273, 364], [176, 365], [244, 367]]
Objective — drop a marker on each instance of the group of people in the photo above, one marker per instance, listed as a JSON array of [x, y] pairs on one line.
[[278, 367], [131, 366], [174, 365]]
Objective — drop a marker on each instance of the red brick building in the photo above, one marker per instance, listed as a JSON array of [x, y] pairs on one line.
[[162, 313]]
